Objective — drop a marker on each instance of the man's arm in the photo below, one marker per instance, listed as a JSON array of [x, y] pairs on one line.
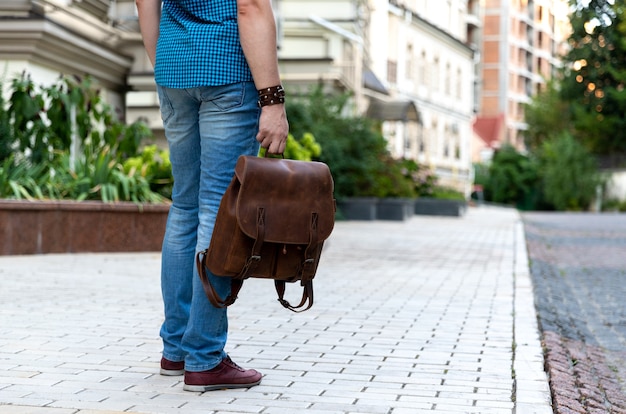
[[257, 32], [149, 12]]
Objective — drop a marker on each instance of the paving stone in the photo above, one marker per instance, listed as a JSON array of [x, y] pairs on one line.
[[413, 316]]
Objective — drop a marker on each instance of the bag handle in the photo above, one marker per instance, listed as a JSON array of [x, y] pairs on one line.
[[307, 295], [236, 282], [306, 274], [209, 290]]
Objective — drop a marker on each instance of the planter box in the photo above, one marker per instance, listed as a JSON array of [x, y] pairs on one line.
[[38, 227], [440, 207], [358, 208], [398, 209]]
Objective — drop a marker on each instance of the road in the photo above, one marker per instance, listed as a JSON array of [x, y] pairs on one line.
[[578, 268]]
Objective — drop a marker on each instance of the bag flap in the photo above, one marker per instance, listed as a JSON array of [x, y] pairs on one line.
[[290, 192]]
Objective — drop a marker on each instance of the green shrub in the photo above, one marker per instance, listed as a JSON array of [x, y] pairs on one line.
[[37, 128], [352, 147], [569, 173], [303, 149], [154, 166], [614, 205], [513, 179], [560, 175], [446, 193]]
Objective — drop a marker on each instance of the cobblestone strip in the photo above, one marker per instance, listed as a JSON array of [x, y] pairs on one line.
[[579, 268], [580, 378]]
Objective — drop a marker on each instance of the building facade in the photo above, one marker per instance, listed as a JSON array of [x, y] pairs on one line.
[[427, 58], [521, 44], [410, 65]]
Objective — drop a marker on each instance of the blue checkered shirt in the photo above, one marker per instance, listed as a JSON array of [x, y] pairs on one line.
[[199, 45]]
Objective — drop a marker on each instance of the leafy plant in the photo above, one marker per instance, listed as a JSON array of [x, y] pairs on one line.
[[16, 179], [303, 149], [153, 166], [614, 205], [594, 74], [569, 173], [38, 126], [352, 147], [446, 193], [546, 115], [513, 179]]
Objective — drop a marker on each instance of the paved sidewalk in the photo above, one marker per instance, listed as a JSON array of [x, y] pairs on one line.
[[429, 315]]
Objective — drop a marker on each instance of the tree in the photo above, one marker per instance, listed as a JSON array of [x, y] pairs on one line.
[[594, 75], [546, 116]]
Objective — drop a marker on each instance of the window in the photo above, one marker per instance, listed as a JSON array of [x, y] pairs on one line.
[[448, 80], [435, 75], [392, 71], [409, 62], [422, 70]]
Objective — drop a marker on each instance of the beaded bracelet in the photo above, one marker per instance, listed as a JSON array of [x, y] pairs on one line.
[[273, 95]]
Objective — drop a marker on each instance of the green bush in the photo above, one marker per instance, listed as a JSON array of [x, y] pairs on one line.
[[37, 160], [569, 173], [154, 166], [303, 149], [560, 175], [513, 179], [445, 193], [614, 205], [352, 147]]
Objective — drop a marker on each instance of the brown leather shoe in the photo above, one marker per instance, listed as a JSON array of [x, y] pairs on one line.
[[224, 376], [171, 368]]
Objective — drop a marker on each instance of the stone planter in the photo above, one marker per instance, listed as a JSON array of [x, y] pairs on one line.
[[38, 227], [358, 208], [398, 209], [439, 207]]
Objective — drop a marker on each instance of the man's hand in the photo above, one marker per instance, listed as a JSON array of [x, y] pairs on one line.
[[273, 128]]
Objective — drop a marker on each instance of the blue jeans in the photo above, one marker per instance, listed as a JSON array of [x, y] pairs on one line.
[[207, 129]]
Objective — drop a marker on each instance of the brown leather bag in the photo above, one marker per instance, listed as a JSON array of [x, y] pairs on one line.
[[272, 223]]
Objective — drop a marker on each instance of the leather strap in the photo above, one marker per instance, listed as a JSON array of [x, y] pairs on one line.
[[307, 295], [209, 290], [255, 254], [306, 268]]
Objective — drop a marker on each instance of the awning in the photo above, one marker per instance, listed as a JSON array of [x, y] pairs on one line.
[[371, 82], [404, 111], [489, 129]]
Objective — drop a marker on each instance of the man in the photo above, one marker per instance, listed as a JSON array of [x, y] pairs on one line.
[[216, 70]]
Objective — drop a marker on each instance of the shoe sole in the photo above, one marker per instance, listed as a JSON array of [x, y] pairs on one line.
[[203, 388], [171, 372]]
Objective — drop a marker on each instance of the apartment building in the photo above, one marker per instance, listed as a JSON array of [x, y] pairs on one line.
[[521, 44]]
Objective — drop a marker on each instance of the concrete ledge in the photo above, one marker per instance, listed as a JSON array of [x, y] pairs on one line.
[[440, 207], [39, 227], [358, 208], [532, 389]]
